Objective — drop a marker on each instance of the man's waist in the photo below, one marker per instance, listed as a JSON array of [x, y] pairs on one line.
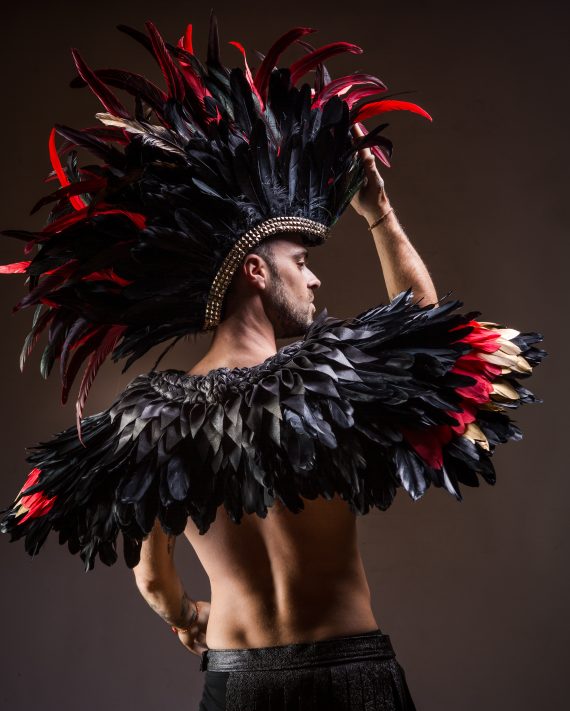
[[371, 644]]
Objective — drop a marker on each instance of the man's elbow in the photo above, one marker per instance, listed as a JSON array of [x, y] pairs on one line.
[[145, 584], [151, 581]]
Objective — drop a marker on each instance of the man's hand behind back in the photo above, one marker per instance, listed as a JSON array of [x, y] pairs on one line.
[[195, 639]]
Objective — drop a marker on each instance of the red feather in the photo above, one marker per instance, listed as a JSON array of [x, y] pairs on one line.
[[429, 443], [67, 220], [264, 70], [37, 504], [309, 61], [105, 96], [185, 42], [340, 84], [379, 107], [14, 268], [77, 202], [84, 186], [54, 278], [248, 73], [107, 274], [169, 69]]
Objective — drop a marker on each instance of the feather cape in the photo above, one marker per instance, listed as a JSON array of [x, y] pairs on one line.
[[398, 396]]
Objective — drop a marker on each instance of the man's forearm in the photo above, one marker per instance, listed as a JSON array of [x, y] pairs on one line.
[[157, 579], [169, 600], [401, 265]]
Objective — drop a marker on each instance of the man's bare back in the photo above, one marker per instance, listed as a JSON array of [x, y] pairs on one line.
[[286, 578]]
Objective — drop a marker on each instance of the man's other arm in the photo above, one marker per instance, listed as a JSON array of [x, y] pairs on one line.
[[157, 579]]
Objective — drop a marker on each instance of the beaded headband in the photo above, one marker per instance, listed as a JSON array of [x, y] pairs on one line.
[[248, 240]]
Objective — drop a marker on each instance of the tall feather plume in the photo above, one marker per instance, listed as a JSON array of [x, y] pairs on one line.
[[134, 240]]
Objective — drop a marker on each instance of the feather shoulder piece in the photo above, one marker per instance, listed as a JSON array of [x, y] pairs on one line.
[[398, 396]]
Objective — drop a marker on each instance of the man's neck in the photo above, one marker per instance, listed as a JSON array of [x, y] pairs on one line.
[[236, 345]]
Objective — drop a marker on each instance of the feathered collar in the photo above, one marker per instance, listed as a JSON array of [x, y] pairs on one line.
[[218, 383]]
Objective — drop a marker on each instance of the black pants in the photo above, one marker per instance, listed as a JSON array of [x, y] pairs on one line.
[[340, 673]]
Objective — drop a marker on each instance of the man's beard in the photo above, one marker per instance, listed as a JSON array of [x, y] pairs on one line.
[[289, 318]]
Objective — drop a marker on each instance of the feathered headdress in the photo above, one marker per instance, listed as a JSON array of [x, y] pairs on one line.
[[141, 247]]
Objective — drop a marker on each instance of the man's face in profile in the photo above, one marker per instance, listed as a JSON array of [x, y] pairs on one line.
[[289, 299]]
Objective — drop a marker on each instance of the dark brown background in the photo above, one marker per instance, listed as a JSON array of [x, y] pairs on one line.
[[473, 595]]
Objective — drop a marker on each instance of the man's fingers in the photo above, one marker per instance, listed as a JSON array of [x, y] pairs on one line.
[[371, 169], [365, 153], [368, 159], [371, 172]]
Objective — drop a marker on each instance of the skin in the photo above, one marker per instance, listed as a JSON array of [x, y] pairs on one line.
[[288, 577]]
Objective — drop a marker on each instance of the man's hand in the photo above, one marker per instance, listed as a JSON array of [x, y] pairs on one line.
[[371, 200], [195, 639]]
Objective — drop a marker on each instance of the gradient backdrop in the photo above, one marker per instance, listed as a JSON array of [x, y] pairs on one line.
[[473, 594]]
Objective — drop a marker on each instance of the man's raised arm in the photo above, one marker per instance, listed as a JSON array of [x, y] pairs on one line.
[[401, 265]]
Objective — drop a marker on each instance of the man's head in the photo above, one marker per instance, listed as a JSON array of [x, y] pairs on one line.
[[275, 275]]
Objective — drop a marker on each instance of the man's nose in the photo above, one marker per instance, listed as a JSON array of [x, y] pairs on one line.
[[314, 282]]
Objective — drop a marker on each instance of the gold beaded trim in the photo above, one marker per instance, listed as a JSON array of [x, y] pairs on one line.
[[248, 240]]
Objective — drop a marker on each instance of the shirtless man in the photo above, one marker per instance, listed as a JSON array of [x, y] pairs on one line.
[[296, 578]]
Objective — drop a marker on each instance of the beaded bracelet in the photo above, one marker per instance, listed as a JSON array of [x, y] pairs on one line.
[[376, 222], [176, 630]]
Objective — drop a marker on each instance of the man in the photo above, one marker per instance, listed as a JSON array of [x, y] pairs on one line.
[[296, 578], [201, 220]]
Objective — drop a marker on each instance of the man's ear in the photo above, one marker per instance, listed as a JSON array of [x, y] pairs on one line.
[[255, 270]]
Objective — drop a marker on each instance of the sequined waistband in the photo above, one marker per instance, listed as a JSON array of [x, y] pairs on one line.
[[334, 650]]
